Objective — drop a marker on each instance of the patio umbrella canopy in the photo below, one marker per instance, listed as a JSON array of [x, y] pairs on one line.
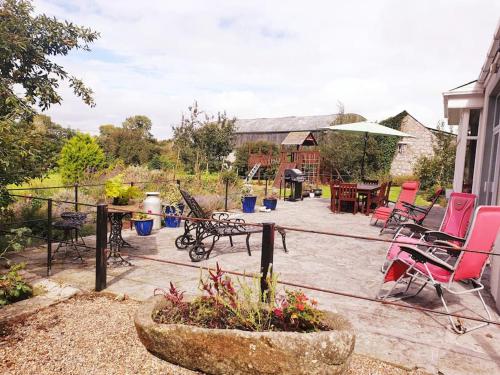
[[368, 127]]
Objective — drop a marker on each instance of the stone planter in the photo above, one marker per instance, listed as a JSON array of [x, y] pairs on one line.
[[231, 351]]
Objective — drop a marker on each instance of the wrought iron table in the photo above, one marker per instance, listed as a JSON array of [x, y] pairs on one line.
[[116, 241]]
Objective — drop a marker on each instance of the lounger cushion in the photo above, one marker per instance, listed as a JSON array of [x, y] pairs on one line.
[[438, 273], [382, 213]]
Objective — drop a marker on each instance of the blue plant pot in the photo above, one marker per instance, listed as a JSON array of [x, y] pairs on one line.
[[248, 204], [143, 227], [173, 222], [270, 203]]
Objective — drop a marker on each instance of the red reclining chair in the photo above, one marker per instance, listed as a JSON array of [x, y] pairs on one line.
[[408, 194], [415, 264], [451, 231], [412, 212]]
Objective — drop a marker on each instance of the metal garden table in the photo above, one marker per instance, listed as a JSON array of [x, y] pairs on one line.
[[116, 215]]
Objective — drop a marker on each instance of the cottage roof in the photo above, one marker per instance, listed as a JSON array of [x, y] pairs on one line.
[[284, 124], [300, 138]]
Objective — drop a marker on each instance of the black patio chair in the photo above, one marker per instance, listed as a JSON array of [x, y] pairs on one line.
[[195, 232]]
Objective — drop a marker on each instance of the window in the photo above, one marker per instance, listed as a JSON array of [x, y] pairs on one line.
[[402, 148]]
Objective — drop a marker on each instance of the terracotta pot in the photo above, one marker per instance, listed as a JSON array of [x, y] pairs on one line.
[[232, 351]]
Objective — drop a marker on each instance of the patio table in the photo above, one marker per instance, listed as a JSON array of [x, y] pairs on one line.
[[116, 215], [369, 190]]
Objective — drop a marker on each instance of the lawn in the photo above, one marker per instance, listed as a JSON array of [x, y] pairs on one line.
[[393, 195]]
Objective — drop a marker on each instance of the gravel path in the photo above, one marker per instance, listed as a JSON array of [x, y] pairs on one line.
[[94, 334]]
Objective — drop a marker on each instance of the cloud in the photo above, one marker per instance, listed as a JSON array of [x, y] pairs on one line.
[[270, 58]]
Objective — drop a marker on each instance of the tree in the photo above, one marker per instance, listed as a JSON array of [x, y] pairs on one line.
[[342, 152], [80, 156], [28, 80], [133, 142], [26, 43], [51, 139], [438, 169], [204, 141]]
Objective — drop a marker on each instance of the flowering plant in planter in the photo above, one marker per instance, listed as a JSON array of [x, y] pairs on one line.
[[143, 223], [230, 327], [248, 198], [225, 305], [271, 199]]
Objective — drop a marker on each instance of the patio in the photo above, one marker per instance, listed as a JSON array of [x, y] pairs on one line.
[[406, 337]]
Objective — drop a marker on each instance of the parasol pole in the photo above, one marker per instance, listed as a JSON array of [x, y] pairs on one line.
[[363, 160]]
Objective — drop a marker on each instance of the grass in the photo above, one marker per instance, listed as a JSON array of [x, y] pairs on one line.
[[420, 201], [52, 179]]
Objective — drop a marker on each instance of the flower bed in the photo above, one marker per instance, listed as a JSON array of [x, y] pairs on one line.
[[231, 329]]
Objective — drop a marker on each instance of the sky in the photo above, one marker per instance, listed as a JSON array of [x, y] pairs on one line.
[[270, 58]]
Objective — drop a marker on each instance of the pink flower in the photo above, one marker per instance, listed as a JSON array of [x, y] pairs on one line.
[[278, 312]]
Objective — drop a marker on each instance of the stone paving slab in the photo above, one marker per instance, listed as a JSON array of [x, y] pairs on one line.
[[406, 337]]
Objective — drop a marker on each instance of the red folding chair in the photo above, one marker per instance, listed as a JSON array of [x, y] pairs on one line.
[[455, 221], [451, 232], [417, 263], [411, 212], [407, 194]]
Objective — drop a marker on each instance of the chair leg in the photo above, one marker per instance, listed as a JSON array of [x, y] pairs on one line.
[[231, 240], [214, 240], [248, 244], [283, 239], [457, 325]]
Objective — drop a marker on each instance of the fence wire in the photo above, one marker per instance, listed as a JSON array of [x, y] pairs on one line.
[[287, 228]]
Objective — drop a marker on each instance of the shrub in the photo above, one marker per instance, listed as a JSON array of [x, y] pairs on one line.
[[80, 156], [225, 305], [438, 169], [12, 286]]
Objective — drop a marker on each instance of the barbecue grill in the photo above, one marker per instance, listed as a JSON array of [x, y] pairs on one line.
[[294, 178]]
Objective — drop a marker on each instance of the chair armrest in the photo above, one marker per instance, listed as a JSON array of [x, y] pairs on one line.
[[415, 228], [220, 216], [437, 235], [451, 248], [412, 207], [423, 256], [447, 244]]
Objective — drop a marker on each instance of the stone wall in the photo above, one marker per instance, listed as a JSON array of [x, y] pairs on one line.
[[411, 148]]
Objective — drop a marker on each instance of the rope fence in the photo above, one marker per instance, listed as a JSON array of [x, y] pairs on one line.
[[102, 251], [322, 290], [288, 228]]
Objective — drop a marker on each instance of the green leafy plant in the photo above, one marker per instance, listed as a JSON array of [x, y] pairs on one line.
[[170, 194], [438, 169], [14, 241], [12, 286], [225, 305], [121, 193], [138, 216], [229, 176], [247, 190]]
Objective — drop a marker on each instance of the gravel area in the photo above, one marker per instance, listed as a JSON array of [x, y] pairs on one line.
[[95, 334]]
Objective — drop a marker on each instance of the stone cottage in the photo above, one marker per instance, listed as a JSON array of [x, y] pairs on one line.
[[409, 150]]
